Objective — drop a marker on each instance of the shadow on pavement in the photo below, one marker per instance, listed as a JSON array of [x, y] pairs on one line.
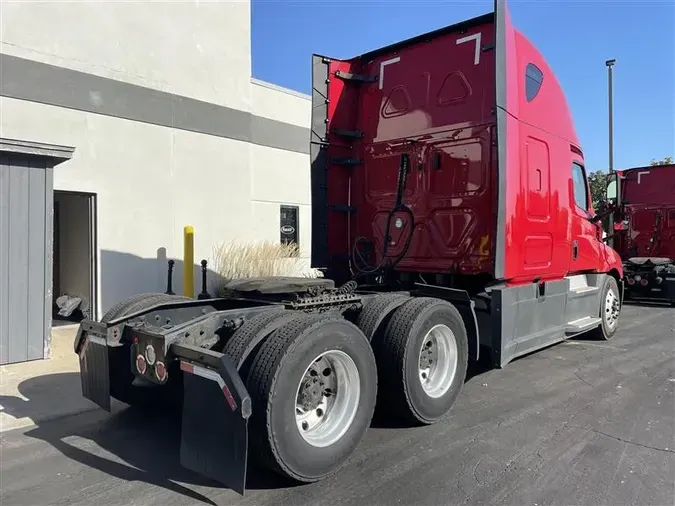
[[147, 442], [49, 396], [646, 303]]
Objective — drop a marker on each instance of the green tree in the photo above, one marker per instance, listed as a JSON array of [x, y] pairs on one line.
[[598, 183], [668, 160]]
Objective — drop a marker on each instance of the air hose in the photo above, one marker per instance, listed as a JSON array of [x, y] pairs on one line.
[[399, 206]]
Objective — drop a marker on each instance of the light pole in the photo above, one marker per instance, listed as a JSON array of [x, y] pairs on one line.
[[610, 64]]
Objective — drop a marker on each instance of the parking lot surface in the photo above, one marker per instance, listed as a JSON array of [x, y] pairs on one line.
[[582, 422]]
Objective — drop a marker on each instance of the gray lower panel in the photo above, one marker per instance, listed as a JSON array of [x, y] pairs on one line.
[[48, 84], [525, 319], [587, 302]]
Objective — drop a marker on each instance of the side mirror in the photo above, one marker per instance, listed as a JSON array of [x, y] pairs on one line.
[[611, 187]]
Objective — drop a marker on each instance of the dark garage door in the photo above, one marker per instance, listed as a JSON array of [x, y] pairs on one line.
[[26, 202]]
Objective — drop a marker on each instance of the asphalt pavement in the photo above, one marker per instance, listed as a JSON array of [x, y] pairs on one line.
[[579, 423]]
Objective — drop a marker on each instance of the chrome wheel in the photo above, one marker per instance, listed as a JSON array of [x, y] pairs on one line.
[[611, 309], [438, 361], [327, 398]]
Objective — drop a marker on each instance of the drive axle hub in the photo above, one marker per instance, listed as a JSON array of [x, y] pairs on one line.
[[428, 355], [311, 392]]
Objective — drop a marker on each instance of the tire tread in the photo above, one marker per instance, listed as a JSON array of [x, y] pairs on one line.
[[264, 375], [373, 314], [392, 357], [237, 347]]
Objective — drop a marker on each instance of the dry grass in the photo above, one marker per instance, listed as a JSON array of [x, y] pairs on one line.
[[236, 260]]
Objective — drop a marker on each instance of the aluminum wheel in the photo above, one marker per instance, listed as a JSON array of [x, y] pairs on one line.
[[438, 361], [612, 309], [327, 398]]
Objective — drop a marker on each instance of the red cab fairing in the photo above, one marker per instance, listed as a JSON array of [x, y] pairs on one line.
[[491, 145], [648, 199], [431, 98]]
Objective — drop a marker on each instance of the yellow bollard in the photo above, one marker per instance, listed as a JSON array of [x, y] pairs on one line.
[[188, 261]]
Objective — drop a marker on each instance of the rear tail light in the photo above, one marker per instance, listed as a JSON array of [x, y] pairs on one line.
[[141, 364], [644, 282], [631, 281], [160, 371]]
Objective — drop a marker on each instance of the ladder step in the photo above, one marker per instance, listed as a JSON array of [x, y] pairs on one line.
[[346, 162], [346, 76], [354, 134], [583, 291], [582, 324]]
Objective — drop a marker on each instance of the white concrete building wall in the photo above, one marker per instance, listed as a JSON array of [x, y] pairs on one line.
[[279, 176], [195, 49], [167, 125]]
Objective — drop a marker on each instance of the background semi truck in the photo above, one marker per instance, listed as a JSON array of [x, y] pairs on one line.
[[452, 220], [644, 231]]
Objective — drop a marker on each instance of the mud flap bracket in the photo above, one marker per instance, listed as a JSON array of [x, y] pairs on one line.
[[214, 435]]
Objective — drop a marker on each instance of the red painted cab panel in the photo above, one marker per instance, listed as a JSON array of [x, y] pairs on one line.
[[648, 202], [495, 181]]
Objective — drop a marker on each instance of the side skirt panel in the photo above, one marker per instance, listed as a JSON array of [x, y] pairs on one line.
[[530, 317]]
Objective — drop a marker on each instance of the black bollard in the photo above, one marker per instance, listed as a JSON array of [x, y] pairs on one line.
[[169, 279], [204, 294]]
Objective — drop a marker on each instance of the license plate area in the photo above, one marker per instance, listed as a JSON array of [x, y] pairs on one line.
[[149, 358]]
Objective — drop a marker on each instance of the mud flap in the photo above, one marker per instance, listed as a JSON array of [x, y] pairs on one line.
[[669, 289], [94, 370], [214, 436]]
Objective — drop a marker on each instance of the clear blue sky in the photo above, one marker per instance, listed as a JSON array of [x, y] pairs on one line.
[[576, 37]]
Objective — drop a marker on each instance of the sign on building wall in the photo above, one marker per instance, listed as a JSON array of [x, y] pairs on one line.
[[288, 224]]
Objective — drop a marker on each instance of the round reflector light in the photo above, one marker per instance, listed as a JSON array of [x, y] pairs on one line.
[[150, 354], [141, 364], [160, 371]]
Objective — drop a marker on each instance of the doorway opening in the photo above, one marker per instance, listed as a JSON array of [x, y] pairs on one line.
[[74, 265]]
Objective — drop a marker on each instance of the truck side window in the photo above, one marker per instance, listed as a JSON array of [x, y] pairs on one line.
[[580, 186], [533, 80]]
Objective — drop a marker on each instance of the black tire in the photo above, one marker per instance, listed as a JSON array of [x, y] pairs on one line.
[[273, 381], [242, 347], [153, 300], [401, 392], [605, 331], [120, 309], [376, 312]]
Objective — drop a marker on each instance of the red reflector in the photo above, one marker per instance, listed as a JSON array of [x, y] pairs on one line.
[[141, 364], [135, 339], [229, 398], [184, 366], [160, 371]]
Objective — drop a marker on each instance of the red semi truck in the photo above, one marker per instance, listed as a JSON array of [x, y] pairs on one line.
[[644, 231], [452, 218]]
